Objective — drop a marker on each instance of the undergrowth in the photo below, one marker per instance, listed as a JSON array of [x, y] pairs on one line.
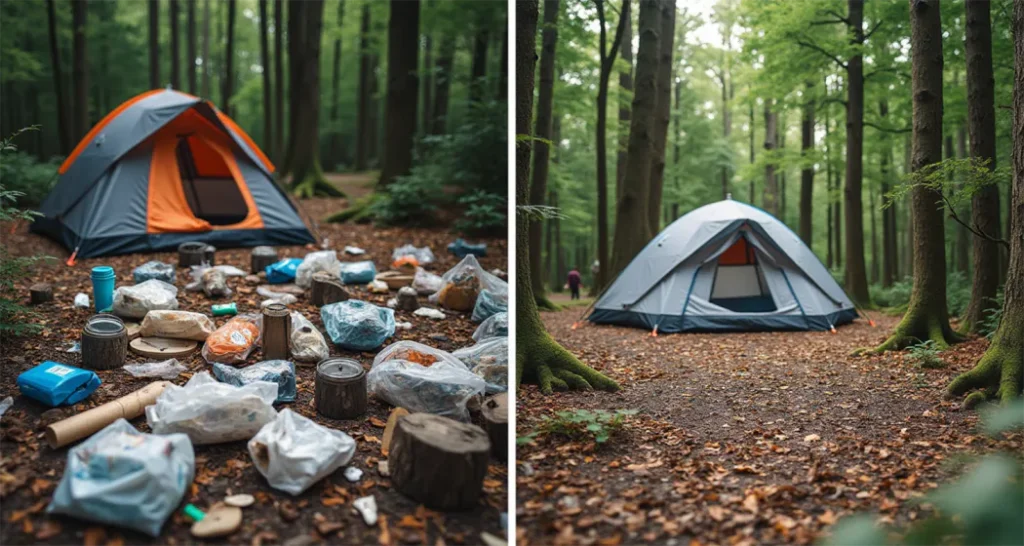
[[597, 425]]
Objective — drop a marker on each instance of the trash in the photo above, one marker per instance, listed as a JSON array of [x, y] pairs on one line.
[[75, 347], [57, 384], [163, 347], [127, 478], [212, 281], [462, 249], [177, 325], [210, 412], [281, 372], [354, 251], [406, 263], [283, 271], [463, 283], [367, 507], [218, 522], [324, 260], [489, 360], [407, 299], [136, 301], [495, 326], [353, 474], [429, 313], [423, 379], [193, 512], [403, 325], [497, 272], [378, 287], [82, 300], [293, 452], [358, 272], [240, 500], [396, 279], [382, 468], [426, 282], [273, 295], [232, 343], [261, 257], [307, 343], [224, 309], [423, 255], [391, 303], [83, 424], [230, 271], [357, 325], [339, 390], [167, 369], [6, 405], [154, 270], [103, 278], [487, 305]]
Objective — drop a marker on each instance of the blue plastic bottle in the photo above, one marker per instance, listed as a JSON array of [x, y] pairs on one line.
[[103, 287]]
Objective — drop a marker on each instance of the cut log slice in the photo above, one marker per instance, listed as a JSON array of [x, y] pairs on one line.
[[495, 414], [162, 347], [133, 329], [327, 289], [389, 429], [40, 293], [261, 257], [191, 253]]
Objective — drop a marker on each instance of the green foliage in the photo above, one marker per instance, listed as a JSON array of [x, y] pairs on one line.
[[598, 425], [32, 179], [896, 298], [485, 213], [926, 354], [410, 200], [990, 322]]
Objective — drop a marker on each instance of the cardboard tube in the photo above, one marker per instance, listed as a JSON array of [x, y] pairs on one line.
[[89, 422]]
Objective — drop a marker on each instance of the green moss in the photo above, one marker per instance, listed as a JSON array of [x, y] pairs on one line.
[[999, 375], [544, 304]]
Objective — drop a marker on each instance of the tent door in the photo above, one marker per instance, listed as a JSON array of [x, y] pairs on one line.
[[210, 189], [739, 284]]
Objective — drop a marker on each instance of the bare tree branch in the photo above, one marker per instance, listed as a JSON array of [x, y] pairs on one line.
[[890, 69], [887, 129], [821, 50], [829, 22], [976, 230], [838, 16], [872, 31]]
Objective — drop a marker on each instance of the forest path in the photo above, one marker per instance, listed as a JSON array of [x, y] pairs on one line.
[[740, 438], [355, 185]]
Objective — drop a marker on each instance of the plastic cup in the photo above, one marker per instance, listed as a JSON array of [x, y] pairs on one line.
[[103, 287]]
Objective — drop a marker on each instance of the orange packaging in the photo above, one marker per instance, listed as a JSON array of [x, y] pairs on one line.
[[406, 261], [232, 342]]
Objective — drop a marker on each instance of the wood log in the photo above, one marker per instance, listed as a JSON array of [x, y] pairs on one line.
[[261, 257], [495, 414], [104, 343], [191, 253], [277, 327], [40, 293], [423, 444], [327, 289], [340, 389]]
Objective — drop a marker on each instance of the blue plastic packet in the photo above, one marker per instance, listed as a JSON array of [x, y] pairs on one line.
[[281, 372], [461, 249], [283, 271], [358, 272], [57, 384], [154, 270], [357, 325], [487, 305]]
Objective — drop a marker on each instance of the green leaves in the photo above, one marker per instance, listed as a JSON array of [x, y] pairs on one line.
[[600, 425]]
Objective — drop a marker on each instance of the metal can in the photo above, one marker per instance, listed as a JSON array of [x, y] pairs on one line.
[[222, 309]]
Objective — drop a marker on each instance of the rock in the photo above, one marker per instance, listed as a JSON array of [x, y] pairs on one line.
[[240, 500], [353, 474], [407, 299], [403, 325], [218, 522], [367, 507], [429, 313], [439, 338]]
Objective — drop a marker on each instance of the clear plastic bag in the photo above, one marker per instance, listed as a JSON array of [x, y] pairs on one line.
[[487, 305], [211, 280], [489, 360], [232, 343], [281, 372], [423, 255], [135, 301], [357, 325], [307, 343], [154, 270], [442, 386], [495, 326], [461, 285], [324, 260], [167, 369], [272, 294], [210, 412], [358, 272], [123, 477], [82, 300], [177, 325], [293, 452], [426, 282], [230, 271]]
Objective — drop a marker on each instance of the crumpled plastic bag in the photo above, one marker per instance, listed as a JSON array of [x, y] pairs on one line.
[[487, 305], [232, 343], [230, 271], [495, 326], [166, 369], [307, 343], [82, 300], [423, 255], [273, 295], [423, 379], [426, 282], [126, 478], [135, 301], [210, 412], [461, 285], [489, 360], [293, 452], [211, 280], [357, 325], [177, 325], [358, 272], [154, 270], [281, 372], [461, 248], [324, 260], [282, 271]]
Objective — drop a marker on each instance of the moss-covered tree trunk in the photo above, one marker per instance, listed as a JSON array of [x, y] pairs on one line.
[[663, 114], [542, 152], [539, 359], [403, 87]]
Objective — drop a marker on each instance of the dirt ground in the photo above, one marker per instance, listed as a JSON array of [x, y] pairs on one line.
[[30, 470], [747, 438]]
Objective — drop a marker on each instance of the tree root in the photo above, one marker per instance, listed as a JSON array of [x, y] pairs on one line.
[[913, 331], [555, 368], [315, 186], [998, 376], [358, 212], [544, 304]]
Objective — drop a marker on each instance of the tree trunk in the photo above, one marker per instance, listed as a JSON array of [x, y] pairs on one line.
[[549, 250], [172, 8], [63, 128], [335, 147], [206, 48], [279, 132], [154, 44], [80, 70], [807, 168], [403, 86], [502, 93], [856, 272], [771, 135], [625, 96], [229, 56], [427, 85], [962, 251], [478, 69], [750, 195], [373, 124], [268, 112], [888, 212], [442, 82], [662, 114], [837, 217], [363, 112], [190, 48], [875, 272]]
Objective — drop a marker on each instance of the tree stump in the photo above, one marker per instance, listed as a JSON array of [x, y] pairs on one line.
[[423, 444], [40, 293], [191, 253], [104, 343], [340, 389], [261, 257], [407, 299], [277, 326], [327, 289], [495, 414], [208, 254]]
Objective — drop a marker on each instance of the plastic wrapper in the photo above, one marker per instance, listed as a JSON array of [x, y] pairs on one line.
[[210, 412], [232, 343], [495, 326], [423, 255], [167, 369], [136, 301], [154, 270], [487, 305], [405, 263], [212, 281], [282, 271], [82, 300], [230, 271], [293, 452], [423, 379], [429, 313], [177, 325], [324, 260], [126, 478], [358, 272], [426, 282], [461, 248], [461, 285], [489, 360], [281, 372], [307, 344], [357, 325]]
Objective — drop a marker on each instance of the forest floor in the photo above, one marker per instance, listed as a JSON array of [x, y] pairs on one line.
[[30, 470], [741, 438]]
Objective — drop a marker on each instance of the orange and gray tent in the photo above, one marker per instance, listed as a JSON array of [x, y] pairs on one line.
[[164, 168]]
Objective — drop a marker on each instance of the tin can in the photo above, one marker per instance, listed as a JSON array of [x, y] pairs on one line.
[[222, 309]]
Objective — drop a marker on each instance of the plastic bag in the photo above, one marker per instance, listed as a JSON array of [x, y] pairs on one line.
[[324, 260], [462, 284], [167, 369], [210, 412], [282, 271], [82, 300], [307, 343], [441, 386], [136, 301], [357, 272], [429, 313], [423, 255], [495, 326], [230, 271], [281, 372], [232, 343], [123, 477], [357, 325], [462, 249], [293, 452], [271, 294], [212, 281], [177, 325], [154, 270], [488, 305], [426, 282], [489, 360]]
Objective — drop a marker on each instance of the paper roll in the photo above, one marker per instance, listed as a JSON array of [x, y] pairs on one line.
[[89, 422]]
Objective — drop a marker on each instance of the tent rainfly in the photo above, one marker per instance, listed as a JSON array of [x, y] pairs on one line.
[[164, 168], [726, 266]]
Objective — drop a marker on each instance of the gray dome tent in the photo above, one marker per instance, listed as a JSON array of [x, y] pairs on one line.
[[726, 266]]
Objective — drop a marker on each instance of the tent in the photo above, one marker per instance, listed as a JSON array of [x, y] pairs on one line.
[[726, 266], [163, 168]]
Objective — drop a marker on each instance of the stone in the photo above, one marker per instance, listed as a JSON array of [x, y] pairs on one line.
[[407, 299], [367, 507], [241, 500], [219, 522], [353, 474], [429, 313]]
